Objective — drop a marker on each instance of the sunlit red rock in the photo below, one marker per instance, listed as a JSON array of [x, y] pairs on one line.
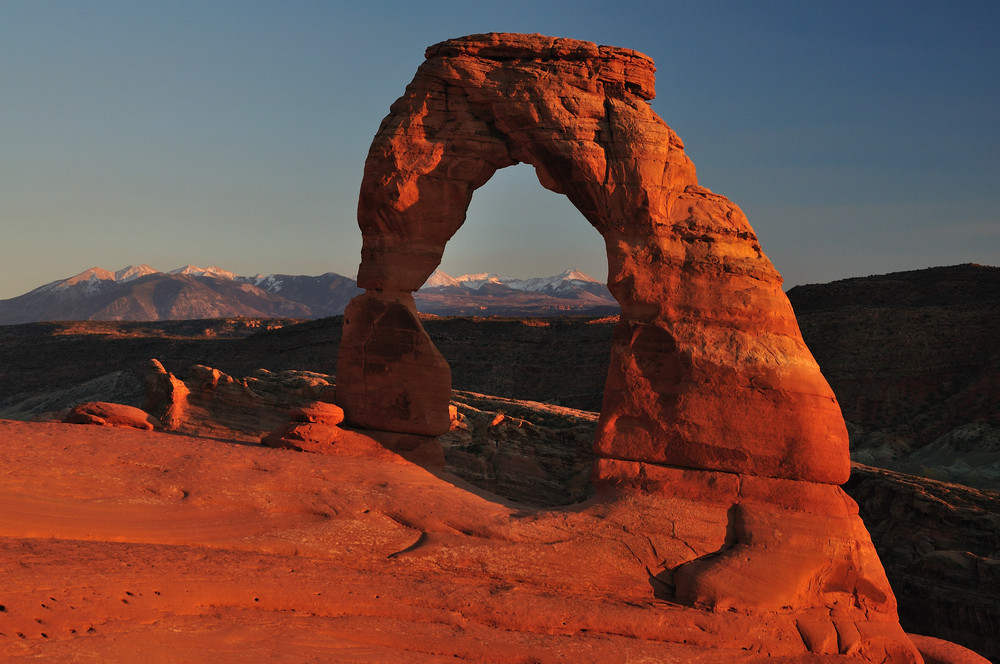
[[129, 544], [390, 376], [111, 415], [166, 396], [708, 367], [711, 391]]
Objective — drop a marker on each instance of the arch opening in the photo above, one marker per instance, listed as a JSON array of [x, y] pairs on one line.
[[517, 235]]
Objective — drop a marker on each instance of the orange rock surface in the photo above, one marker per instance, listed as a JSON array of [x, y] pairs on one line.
[[126, 545], [111, 415], [391, 378], [717, 532], [708, 367]]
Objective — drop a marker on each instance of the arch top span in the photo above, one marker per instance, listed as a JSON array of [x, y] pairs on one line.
[[708, 368], [612, 64], [576, 111]]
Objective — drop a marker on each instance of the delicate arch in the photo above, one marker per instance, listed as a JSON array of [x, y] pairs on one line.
[[708, 367]]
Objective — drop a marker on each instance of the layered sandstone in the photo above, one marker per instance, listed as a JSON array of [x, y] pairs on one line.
[[708, 367], [245, 408], [711, 396]]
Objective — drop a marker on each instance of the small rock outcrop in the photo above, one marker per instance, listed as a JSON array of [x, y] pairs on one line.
[[243, 408], [166, 395], [111, 415], [313, 428], [711, 393]]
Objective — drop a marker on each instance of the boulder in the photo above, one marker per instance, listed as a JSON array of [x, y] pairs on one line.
[[390, 377], [319, 412], [112, 415]]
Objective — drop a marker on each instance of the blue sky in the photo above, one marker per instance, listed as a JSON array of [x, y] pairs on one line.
[[859, 138]]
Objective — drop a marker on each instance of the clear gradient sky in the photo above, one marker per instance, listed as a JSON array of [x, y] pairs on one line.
[[859, 137]]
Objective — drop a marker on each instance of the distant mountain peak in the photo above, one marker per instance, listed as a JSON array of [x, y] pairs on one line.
[[477, 280], [92, 277], [574, 274], [134, 293], [439, 279], [89, 274], [210, 271], [133, 272]]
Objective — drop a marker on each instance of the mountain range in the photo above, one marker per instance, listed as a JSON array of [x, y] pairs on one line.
[[483, 294], [142, 293]]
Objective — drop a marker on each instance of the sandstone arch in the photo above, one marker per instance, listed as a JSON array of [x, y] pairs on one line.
[[712, 398], [708, 371]]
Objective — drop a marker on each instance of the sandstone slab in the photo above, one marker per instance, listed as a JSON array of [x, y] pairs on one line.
[[214, 551]]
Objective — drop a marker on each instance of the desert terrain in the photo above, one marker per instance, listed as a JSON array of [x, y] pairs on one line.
[[124, 545], [482, 555], [394, 513]]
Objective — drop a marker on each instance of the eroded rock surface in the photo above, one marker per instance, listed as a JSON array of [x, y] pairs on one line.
[[393, 378], [123, 545], [708, 368], [209, 400], [941, 547], [711, 391], [103, 413]]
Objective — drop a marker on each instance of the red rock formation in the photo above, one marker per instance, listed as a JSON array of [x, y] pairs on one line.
[[708, 367], [111, 415], [391, 377], [244, 408], [166, 396], [708, 370]]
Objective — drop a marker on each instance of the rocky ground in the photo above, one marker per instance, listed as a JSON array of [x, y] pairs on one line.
[[936, 540], [123, 545], [128, 545]]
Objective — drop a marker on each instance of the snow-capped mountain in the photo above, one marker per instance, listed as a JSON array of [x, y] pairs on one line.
[[570, 292], [571, 278], [91, 281], [133, 272], [143, 293], [440, 280], [211, 271]]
